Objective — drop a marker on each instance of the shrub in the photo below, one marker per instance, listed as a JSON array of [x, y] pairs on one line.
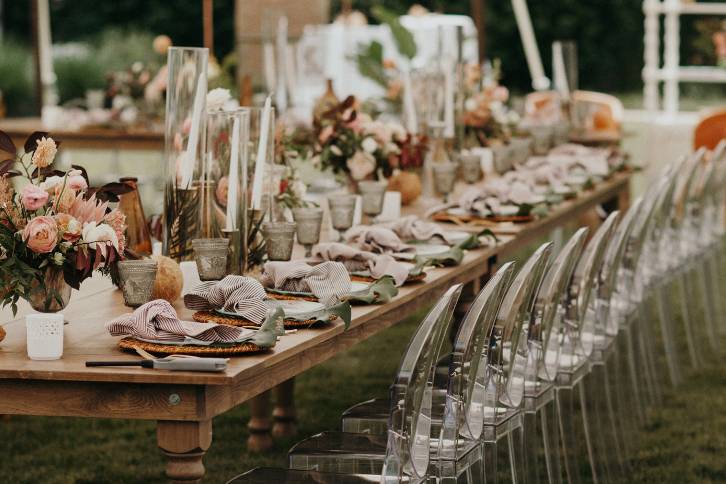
[[16, 67]]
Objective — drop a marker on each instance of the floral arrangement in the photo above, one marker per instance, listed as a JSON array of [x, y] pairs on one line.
[[53, 224], [352, 142], [486, 116]]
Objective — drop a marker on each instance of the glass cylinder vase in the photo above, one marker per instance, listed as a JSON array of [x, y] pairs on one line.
[[224, 203], [184, 148], [260, 193]]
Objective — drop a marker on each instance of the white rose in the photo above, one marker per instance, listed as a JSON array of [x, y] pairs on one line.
[[335, 150], [369, 145], [93, 233], [470, 104], [51, 182], [216, 98], [361, 165]]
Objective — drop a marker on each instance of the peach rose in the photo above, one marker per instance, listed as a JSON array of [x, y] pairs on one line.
[[33, 197], [41, 234], [64, 198], [69, 227]]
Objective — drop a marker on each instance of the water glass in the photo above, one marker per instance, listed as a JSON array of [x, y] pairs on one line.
[[211, 258], [137, 280], [308, 220], [372, 193], [541, 138], [279, 238], [444, 178], [342, 212], [502, 157], [470, 167]]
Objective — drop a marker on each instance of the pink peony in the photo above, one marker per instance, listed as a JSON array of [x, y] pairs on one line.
[[41, 234], [77, 183], [33, 197]]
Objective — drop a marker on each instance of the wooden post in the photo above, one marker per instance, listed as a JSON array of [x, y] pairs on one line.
[[260, 438], [478, 12], [184, 444], [284, 415], [36, 56], [208, 21]]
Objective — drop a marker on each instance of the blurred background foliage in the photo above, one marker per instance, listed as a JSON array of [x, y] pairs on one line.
[[609, 34]]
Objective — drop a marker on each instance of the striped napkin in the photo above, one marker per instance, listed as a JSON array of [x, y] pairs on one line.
[[356, 260], [241, 295], [158, 321], [328, 281], [379, 240], [412, 227]]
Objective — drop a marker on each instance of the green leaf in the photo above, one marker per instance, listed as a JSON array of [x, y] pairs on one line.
[[403, 38], [378, 292]]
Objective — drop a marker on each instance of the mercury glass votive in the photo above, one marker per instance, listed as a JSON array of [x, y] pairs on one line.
[[470, 167], [137, 280], [342, 213], [372, 193], [541, 138], [279, 238], [211, 258], [308, 220], [502, 157], [444, 178], [521, 148]]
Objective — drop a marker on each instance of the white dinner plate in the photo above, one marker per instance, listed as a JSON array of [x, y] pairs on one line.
[[295, 307], [358, 286], [456, 236]]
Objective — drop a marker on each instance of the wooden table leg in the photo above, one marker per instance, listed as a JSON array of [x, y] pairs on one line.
[[284, 417], [184, 445], [260, 438]]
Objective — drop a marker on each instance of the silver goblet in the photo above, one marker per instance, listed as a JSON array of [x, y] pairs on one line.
[[279, 238], [372, 194], [308, 220], [342, 212], [211, 258], [444, 178]]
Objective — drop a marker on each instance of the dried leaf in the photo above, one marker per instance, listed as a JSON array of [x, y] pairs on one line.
[[6, 143]]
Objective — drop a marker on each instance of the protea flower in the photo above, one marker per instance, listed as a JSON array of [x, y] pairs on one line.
[[90, 210]]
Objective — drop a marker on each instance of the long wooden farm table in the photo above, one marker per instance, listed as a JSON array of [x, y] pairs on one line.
[[184, 403]]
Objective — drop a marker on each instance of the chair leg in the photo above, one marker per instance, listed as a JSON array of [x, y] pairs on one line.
[[565, 399], [532, 446], [615, 433], [586, 427], [713, 273], [515, 441], [490, 462], [551, 442], [708, 311], [686, 319], [633, 366], [603, 443], [666, 322]]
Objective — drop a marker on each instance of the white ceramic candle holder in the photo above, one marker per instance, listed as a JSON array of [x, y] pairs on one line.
[[44, 336]]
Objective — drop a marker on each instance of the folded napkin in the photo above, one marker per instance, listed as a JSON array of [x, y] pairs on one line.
[[238, 294], [328, 281], [158, 321], [353, 259], [376, 239], [412, 227]]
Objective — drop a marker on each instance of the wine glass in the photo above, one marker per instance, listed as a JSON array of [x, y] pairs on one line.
[[342, 212]]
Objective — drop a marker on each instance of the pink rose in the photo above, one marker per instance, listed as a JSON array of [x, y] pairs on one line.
[[77, 183], [41, 234], [33, 197]]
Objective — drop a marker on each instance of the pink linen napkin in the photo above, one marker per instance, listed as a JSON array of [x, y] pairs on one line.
[[376, 239], [158, 321], [328, 281], [238, 294], [353, 259]]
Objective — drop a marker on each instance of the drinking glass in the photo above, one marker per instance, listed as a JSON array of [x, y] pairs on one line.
[[308, 220], [342, 212]]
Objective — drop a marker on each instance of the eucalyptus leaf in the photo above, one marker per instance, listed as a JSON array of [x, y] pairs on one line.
[[404, 39]]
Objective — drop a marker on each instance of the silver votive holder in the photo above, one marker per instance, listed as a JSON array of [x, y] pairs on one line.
[[279, 238], [502, 157], [211, 258], [309, 221], [372, 194], [521, 148], [470, 167], [342, 213], [542, 136], [137, 280], [444, 178]]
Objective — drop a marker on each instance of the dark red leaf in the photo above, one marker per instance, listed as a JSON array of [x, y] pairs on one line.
[[6, 143], [12, 173], [5, 165], [32, 142]]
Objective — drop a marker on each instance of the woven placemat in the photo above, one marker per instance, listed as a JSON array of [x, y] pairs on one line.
[[130, 344], [291, 297], [486, 221], [212, 317]]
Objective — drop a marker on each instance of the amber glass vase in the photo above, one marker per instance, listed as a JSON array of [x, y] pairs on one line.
[[138, 236]]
